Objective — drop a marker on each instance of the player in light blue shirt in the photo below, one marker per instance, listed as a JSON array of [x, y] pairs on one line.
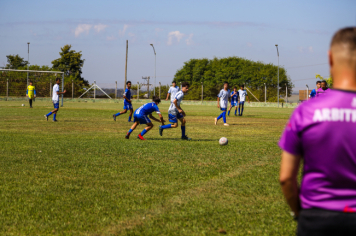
[[234, 99], [175, 112], [172, 91], [127, 102], [141, 117], [223, 100]]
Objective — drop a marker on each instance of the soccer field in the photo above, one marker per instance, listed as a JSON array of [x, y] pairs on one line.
[[80, 176]]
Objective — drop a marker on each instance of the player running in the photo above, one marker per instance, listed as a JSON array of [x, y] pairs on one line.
[[313, 92], [223, 99], [55, 100], [172, 91], [175, 113], [234, 95], [242, 98], [127, 102], [140, 117], [31, 93]]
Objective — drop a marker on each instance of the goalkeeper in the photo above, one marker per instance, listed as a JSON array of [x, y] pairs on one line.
[[31, 93]]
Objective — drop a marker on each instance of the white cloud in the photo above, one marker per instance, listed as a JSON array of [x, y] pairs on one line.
[[110, 38], [82, 28], [100, 27], [311, 49], [189, 40], [174, 34], [122, 32]]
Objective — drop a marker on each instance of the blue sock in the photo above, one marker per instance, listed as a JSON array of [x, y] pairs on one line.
[[239, 110], [54, 116], [228, 113], [166, 126], [235, 111], [183, 131], [224, 117], [143, 132], [117, 114], [220, 116], [242, 110], [130, 131], [49, 114], [129, 118]]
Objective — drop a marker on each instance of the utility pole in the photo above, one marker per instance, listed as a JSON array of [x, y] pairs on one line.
[[28, 59], [127, 51], [265, 93], [202, 92], [115, 89], [159, 90], [287, 92], [155, 69], [278, 76], [138, 90]]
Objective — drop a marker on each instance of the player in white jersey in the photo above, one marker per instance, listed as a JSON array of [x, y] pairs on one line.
[[172, 91], [175, 112], [55, 100], [223, 100], [242, 98], [234, 99]]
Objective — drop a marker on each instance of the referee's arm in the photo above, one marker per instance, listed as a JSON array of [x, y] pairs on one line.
[[288, 180]]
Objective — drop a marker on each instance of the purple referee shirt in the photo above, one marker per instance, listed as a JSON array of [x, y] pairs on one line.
[[321, 92], [323, 132]]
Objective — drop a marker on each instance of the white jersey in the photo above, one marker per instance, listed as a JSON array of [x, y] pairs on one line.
[[224, 98], [173, 91], [173, 109], [55, 97], [242, 95]]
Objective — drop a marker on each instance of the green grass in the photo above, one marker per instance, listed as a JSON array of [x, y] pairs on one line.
[[79, 176]]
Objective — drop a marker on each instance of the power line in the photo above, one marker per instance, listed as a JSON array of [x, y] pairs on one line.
[[306, 66]]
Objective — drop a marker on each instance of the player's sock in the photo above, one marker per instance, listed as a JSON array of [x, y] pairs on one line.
[[235, 111], [242, 110], [224, 117], [49, 114], [166, 126], [228, 113], [129, 118], [220, 116], [183, 131], [54, 116], [239, 110], [30, 102], [130, 131], [143, 132], [117, 114]]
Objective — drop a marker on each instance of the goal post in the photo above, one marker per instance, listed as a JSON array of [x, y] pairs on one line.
[[2, 76]]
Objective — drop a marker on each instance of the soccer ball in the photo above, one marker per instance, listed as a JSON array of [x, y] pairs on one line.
[[23, 105], [223, 141]]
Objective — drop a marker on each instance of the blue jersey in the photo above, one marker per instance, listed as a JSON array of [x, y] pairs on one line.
[[313, 93], [127, 94], [234, 97], [147, 109]]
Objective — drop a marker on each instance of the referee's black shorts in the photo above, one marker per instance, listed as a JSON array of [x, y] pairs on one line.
[[317, 222]]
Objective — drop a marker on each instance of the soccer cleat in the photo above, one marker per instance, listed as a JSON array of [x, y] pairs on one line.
[[127, 136], [226, 124], [55, 120], [113, 116], [216, 121], [46, 117], [186, 138], [140, 137], [160, 130]]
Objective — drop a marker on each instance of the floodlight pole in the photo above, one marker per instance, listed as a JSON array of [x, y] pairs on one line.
[[307, 92], [265, 93], [28, 58], [278, 76], [155, 69]]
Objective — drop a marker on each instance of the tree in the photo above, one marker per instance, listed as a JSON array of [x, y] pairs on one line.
[[70, 63], [15, 61]]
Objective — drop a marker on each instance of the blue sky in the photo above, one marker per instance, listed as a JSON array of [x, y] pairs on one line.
[[179, 30]]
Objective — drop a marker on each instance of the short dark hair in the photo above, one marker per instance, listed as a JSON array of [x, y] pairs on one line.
[[235, 87], [58, 79], [174, 82], [185, 84], [323, 81], [242, 86], [128, 82], [318, 82], [347, 37], [226, 82], [156, 99], [30, 81]]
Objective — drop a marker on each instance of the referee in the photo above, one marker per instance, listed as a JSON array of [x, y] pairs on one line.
[[322, 133]]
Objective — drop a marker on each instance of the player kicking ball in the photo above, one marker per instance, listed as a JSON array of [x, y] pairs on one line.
[[55, 100], [175, 113], [140, 117], [234, 102], [242, 97], [223, 100], [127, 102]]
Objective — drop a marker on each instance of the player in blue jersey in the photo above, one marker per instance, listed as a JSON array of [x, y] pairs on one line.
[[223, 100], [313, 92], [175, 112], [141, 117], [242, 98], [172, 91], [234, 99], [127, 102]]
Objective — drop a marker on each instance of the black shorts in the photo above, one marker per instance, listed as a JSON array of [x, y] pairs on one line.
[[323, 222]]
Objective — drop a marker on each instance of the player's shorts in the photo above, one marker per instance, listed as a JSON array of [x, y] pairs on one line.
[[233, 104], [128, 106], [56, 105], [31, 96], [242, 103], [223, 109], [142, 119], [174, 118]]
